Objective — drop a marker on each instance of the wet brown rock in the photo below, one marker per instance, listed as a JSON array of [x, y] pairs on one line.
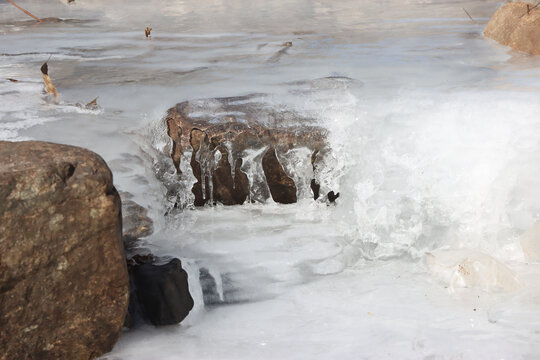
[[229, 190], [245, 118], [241, 183], [63, 277], [515, 26], [219, 132], [136, 223], [282, 187], [197, 139]]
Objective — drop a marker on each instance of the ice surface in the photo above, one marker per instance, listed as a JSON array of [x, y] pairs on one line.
[[435, 141]]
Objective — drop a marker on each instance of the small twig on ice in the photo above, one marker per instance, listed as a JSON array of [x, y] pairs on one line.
[[529, 9], [469, 15], [24, 11]]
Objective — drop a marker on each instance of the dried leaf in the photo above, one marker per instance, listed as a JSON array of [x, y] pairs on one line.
[[147, 31], [92, 105], [45, 68], [49, 87], [12, 80]]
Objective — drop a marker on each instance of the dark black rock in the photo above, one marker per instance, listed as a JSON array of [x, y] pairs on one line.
[[160, 292], [332, 197], [139, 259]]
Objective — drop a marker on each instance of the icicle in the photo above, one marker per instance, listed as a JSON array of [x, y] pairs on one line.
[[211, 188], [203, 183], [229, 146], [202, 157], [252, 166], [297, 164], [212, 165], [217, 158]]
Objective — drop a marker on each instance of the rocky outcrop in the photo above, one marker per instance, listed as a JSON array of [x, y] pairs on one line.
[[227, 138], [516, 24], [159, 292], [63, 276]]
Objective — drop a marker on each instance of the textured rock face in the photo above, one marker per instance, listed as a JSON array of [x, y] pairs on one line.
[[63, 277], [513, 25], [137, 224], [225, 137]]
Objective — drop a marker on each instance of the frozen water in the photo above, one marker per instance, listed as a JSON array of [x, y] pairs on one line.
[[435, 140]]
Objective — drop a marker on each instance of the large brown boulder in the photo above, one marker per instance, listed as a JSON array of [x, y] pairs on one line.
[[224, 136], [517, 25], [63, 276]]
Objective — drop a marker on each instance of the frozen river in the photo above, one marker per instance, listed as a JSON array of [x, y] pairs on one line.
[[435, 133]]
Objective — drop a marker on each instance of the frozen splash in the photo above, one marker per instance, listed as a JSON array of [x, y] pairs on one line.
[[441, 169]]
